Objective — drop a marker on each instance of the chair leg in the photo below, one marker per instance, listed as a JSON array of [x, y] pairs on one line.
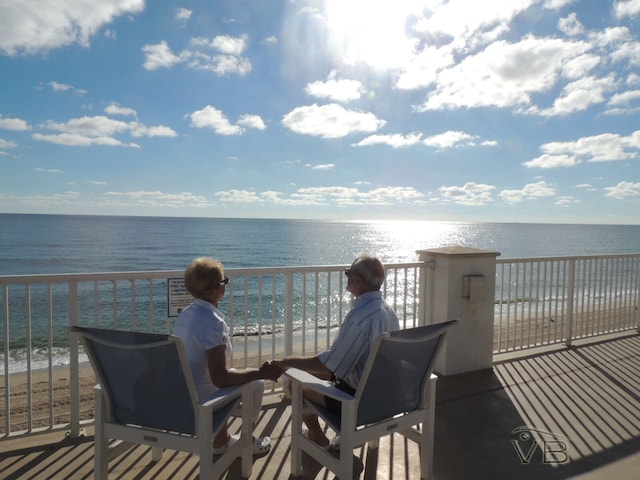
[[101, 461], [296, 429], [427, 440], [346, 463], [156, 454]]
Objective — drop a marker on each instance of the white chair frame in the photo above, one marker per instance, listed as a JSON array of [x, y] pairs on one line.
[[417, 425], [197, 442]]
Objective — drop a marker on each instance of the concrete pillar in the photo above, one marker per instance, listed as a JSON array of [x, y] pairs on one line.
[[463, 282]]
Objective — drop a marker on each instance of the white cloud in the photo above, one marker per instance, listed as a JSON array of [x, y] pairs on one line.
[[504, 74], [139, 130], [566, 201], [552, 161], [211, 117], [624, 103], [395, 140], [528, 192], [98, 130], [31, 28], [238, 196], [453, 139], [470, 193], [161, 199], [330, 121], [339, 90], [79, 140], [160, 56], [60, 87], [228, 45], [115, 109], [216, 120], [337, 196], [183, 14], [423, 69], [252, 121], [571, 25], [580, 95], [628, 8], [226, 60], [322, 166], [15, 124], [607, 147], [623, 190], [4, 144]]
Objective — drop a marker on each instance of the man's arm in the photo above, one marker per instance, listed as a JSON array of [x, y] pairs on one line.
[[312, 365]]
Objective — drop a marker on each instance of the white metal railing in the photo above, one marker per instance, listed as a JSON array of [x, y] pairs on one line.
[[542, 301], [271, 312], [285, 310]]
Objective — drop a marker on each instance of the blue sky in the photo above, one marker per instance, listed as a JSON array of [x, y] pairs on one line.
[[460, 110]]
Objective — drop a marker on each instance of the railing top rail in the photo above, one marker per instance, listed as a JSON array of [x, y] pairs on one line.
[[570, 257], [162, 274]]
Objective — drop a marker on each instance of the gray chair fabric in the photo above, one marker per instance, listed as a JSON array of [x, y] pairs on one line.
[[145, 394], [396, 393]]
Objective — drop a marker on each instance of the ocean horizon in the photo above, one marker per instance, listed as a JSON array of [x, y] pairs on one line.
[[63, 244], [51, 244]]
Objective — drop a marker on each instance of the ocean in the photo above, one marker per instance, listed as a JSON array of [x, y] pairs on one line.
[[58, 244], [52, 244]]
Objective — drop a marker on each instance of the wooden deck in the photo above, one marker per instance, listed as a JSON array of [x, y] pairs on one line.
[[580, 405]]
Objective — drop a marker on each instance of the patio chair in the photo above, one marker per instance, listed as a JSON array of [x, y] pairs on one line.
[[396, 394], [146, 395]]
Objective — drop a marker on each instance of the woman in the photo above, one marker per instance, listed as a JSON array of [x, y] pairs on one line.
[[205, 335]]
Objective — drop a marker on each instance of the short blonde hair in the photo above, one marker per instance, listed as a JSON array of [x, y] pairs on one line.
[[202, 275]]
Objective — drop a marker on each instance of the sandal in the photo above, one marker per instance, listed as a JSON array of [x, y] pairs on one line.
[[305, 433], [260, 445], [334, 443]]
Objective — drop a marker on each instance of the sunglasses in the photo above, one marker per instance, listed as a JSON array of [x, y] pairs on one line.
[[224, 281]]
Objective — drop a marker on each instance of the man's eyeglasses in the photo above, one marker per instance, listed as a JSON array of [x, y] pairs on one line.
[[224, 281]]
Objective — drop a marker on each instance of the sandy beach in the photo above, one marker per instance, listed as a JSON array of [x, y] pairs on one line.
[[50, 401]]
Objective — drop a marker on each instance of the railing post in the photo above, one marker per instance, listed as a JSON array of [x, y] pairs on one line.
[[425, 293], [288, 312], [571, 285], [462, 286], [74, 367]]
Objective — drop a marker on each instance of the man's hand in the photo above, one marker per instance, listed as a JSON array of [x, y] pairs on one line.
[[271, 371]]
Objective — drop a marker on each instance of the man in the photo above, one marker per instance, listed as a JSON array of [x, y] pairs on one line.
[[344, 362]]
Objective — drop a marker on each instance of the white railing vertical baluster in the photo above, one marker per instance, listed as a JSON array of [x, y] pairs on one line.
[[96, 303], [288, 321], [245, 322], [134, 319], [50, 348], [570, 295], [7, 377], [74, 363], [636, 294], [29, 359], [303, 326], [114, 305], [329, 303], [316, 313]]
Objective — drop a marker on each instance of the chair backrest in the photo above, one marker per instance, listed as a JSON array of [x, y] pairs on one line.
[[397, 371], [145, 377]]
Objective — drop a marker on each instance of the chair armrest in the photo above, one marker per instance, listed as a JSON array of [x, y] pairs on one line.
[[321, 386], [224, 395]]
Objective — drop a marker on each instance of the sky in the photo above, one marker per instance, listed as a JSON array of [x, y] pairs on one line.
[[456, 111]]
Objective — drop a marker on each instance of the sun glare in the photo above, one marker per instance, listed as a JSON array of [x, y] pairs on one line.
[[373, 32]]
